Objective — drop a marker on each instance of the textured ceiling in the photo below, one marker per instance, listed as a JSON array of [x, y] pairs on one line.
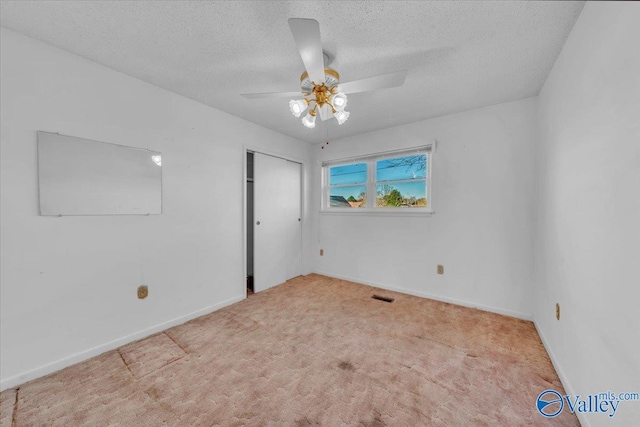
[[459, 55]]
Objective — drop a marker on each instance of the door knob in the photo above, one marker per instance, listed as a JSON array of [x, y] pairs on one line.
[[257, 222]]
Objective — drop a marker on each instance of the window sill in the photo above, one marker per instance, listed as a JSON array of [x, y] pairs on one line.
[[377, 212]]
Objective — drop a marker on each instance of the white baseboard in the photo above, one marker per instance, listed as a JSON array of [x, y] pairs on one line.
[[584, 421], [49, 368], [463, 303]]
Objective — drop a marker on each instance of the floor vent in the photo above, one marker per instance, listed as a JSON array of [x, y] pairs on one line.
[[381, 298]]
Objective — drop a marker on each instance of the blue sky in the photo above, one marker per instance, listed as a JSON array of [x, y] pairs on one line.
[[385, 171], [349, 174]]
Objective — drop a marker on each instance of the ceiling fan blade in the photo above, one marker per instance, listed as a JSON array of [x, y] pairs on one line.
[[377, 82], [306, 33], [273, 95]]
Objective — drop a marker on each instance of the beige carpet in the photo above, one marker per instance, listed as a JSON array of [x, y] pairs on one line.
[[313, 351]]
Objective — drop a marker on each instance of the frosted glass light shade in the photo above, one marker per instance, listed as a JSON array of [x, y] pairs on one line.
[[341, 116], [339, 101], [309, 121], [297, 106]]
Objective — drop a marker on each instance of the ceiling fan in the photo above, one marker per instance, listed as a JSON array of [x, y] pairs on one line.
[[322, 92]]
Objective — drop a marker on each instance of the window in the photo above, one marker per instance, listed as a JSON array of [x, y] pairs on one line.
[[348, 186], [388, 182]]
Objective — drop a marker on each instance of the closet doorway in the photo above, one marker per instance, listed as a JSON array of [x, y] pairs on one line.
[[274, 222]]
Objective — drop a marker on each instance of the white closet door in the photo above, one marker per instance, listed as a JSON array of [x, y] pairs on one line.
[[274, 226], [292, 213]]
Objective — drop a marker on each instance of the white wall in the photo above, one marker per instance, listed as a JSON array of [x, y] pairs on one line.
[[588, 246], [68, 285], [482, 231]]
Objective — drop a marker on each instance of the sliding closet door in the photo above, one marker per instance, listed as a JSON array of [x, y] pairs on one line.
[[292, 214], [277, 240]]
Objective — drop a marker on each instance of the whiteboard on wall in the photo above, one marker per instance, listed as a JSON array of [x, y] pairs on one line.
[[79, 176]]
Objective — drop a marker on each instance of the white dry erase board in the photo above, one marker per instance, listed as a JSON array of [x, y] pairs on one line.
[[79, 176]]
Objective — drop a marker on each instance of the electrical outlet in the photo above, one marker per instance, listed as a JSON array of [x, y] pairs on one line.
[[558, 311], [143, 291], [440, 269], [321, 252]]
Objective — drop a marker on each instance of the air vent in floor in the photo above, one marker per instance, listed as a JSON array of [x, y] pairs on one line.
[[381, 298]]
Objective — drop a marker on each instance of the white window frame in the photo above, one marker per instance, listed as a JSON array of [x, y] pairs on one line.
[[371, 184]]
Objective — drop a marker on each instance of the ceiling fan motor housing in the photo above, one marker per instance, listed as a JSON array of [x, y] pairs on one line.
[[331, 79]]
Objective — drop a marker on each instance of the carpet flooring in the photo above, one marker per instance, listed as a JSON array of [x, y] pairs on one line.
[[312, 351]]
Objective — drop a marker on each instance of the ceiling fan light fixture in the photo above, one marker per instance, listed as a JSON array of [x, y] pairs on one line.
[[341, 116], [323, 94], [309, 120], [297, 106]]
